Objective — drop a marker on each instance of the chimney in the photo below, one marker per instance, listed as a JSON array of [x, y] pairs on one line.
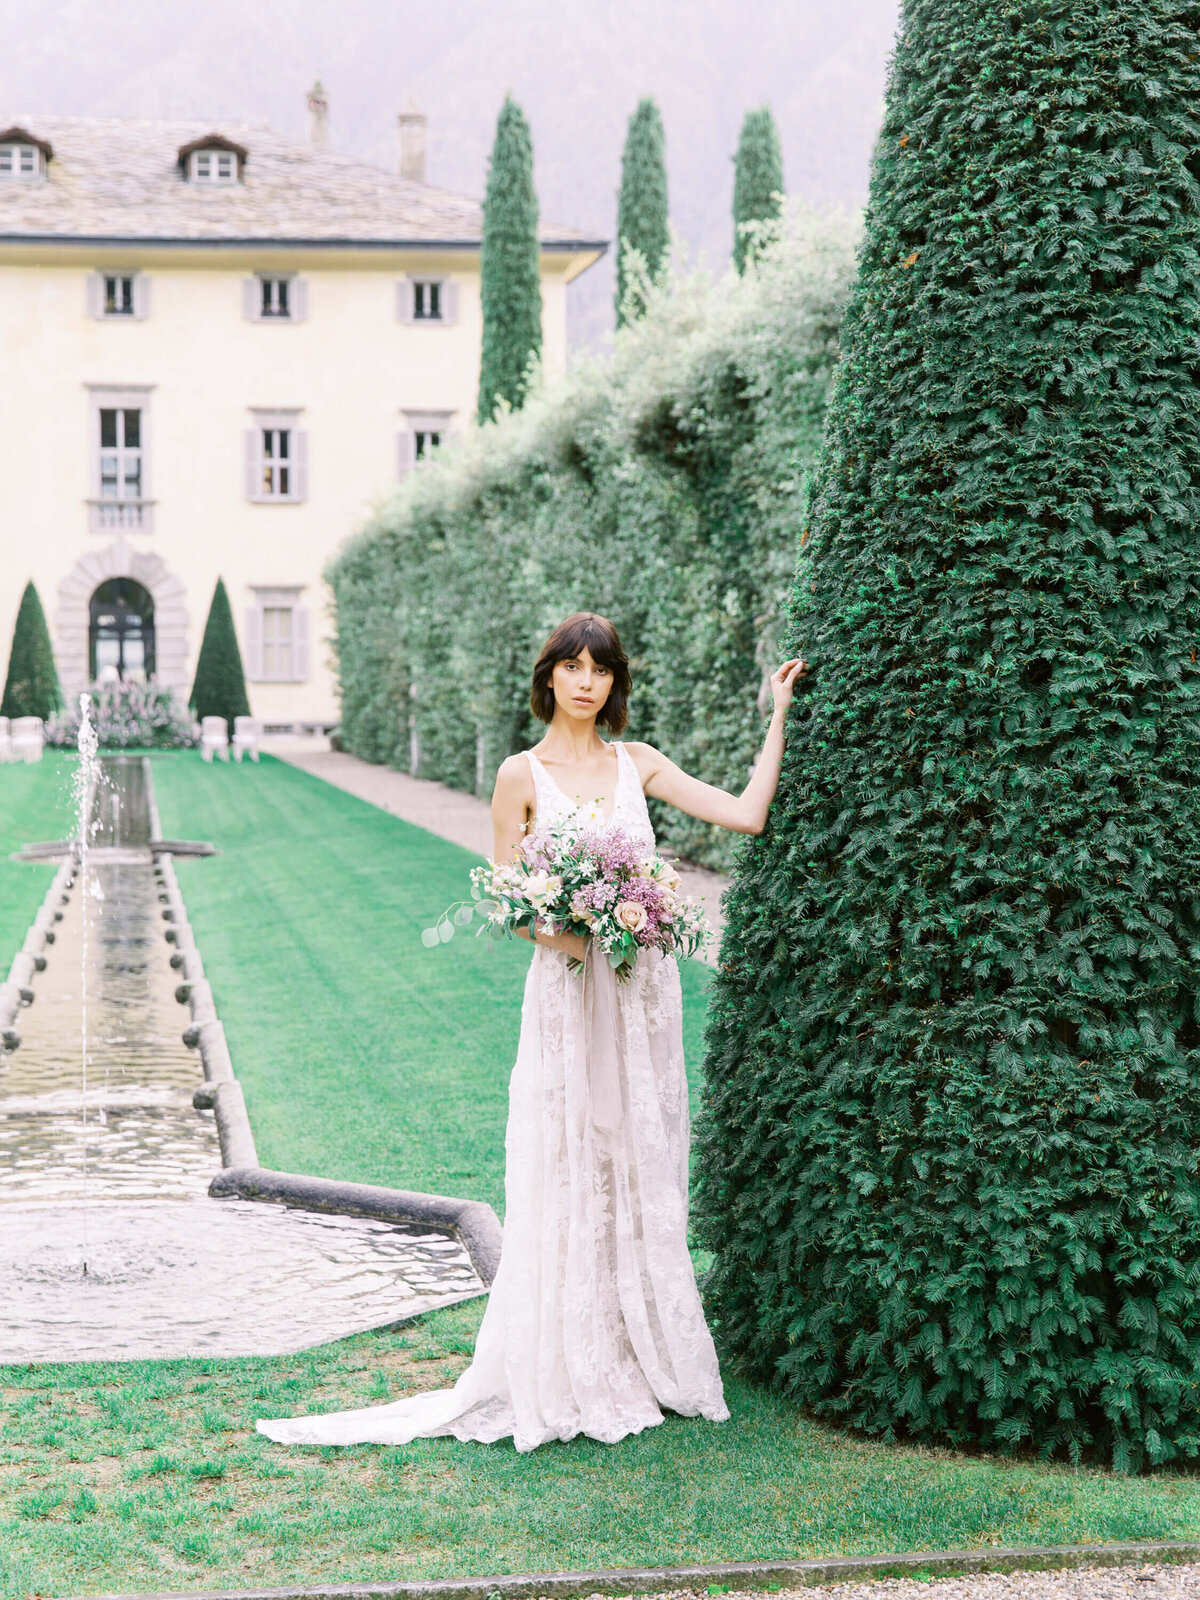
[[412, 143], [318, 116]]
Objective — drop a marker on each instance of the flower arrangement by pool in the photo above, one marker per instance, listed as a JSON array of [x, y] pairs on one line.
[[593, 882], [126, 715]]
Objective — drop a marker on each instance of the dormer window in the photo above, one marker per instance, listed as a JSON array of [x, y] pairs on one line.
[[213, 159], [214, 166], [22, 157]]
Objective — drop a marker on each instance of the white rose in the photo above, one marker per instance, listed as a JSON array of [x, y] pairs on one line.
[[541, 888], [631, 914]]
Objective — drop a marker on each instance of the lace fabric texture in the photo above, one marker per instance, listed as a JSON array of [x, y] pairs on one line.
[[594, 1322]]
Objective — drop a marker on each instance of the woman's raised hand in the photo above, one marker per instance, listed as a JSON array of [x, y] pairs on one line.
[[784, 681]]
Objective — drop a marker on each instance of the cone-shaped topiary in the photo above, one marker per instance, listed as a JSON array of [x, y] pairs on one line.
[[220, 686], [31, 688], [643, 234], [950, 1159], [757, 181], [510, 284]]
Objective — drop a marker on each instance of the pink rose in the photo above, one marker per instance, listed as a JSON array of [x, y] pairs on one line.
[[631, 915]]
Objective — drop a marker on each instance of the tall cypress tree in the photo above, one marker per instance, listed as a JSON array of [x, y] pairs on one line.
[[642, 224], [949, 1160], [220, 686], [757, 180], [511, 285], [31, 688]]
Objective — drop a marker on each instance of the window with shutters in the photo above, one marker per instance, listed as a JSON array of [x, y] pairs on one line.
[[276, 297], [120, 295], [120, 499], [421, 435], [277, 637], [427, 301], [276, 458]]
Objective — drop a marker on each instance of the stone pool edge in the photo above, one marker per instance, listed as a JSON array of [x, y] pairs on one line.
[[16, 991], [738, 1575], [474, 1222]]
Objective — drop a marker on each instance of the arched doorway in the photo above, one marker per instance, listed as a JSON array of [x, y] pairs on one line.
[[121, 631]]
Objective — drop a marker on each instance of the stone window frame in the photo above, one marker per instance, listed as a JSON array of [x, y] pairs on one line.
[[101, 304], [258, 462], [412, 442], [257, 295], [108, 515], [414, 294], [278, 598]]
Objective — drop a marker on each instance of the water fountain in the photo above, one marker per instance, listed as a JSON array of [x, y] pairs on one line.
[[114, 1243]]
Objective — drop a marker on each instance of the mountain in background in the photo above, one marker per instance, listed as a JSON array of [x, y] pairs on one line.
[[578, 67]]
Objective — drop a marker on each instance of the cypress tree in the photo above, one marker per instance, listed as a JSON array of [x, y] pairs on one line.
[[31, 688], [757, 180], [643, 236], [950, 1160], [220, 686], [511, 285]]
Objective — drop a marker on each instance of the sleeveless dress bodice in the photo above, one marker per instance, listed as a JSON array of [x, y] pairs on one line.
[[594, 1323]]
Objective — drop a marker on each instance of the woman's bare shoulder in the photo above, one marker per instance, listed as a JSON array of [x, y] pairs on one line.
[[514, 775], [645, 757]]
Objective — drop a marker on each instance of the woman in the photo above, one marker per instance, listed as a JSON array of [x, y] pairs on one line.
[[594, 1323]]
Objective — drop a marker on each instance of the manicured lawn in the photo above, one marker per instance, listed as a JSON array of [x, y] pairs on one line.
[[367, 1057], [35, 804]]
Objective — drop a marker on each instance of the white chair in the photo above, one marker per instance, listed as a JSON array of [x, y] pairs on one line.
[[6, 749], [214, 738], [246, 734], [27, 738]]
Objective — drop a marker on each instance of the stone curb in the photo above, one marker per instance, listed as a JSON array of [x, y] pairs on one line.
[[15, 991], [743, 1575], [474, 1221]]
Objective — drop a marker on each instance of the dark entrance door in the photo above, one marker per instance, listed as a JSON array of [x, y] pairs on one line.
[[122, 631]]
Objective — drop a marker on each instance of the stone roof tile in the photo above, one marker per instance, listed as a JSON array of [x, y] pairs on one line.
[[117, 179]]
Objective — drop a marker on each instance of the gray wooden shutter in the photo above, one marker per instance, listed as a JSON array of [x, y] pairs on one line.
[[449, 300], [95, 294], [299, 465], [298, 299], [406, 451], [253, 475], [300, 643], [252, 299], [141, 296], [254, 642], [404, 300]]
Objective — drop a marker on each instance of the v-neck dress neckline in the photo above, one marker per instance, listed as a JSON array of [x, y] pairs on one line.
[[582, 806]]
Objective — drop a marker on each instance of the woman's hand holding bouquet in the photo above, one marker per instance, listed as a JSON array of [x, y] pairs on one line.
[[600, 884]]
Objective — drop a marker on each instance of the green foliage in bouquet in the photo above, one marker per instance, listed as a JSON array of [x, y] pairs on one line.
[[757, 183], [950, 1158], [643, 230], [220, 686], [510, 278], [663, 487], [31, 688]]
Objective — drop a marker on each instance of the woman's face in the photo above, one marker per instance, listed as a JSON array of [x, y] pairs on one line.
[[581, 686]]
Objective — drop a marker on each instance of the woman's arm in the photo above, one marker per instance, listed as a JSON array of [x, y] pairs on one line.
[[513, 803], [742, 813]]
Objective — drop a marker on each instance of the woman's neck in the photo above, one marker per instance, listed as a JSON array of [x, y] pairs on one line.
[[572, 742]]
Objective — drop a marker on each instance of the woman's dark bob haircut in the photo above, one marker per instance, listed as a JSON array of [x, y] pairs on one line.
[[584, 630]]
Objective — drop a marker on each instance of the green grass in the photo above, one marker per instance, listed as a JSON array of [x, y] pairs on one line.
[[367, 1057], [35, 805]]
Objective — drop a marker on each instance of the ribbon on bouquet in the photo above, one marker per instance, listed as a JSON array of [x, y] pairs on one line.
[[602, 1016]]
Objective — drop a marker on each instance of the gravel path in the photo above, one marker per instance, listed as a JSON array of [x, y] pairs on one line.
[[1167, 1581]]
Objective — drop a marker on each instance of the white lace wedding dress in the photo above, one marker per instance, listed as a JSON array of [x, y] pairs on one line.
[[594, 1323]]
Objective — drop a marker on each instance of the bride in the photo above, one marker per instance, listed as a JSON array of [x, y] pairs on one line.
[[594, 1323]]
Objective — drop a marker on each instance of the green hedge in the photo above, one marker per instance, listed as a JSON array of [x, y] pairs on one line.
[[663, 486]]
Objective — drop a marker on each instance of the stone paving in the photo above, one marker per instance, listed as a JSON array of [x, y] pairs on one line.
[[1157, 1582], [449, 813]]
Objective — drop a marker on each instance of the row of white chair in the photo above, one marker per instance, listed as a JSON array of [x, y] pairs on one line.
[[21, 739], [214, 738]]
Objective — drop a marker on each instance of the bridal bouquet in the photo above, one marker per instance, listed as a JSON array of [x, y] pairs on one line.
[[595, 882]]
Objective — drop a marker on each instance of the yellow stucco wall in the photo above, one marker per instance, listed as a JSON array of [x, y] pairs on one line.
[[351, 367]]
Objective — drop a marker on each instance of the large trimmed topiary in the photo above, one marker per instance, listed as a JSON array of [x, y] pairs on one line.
[[950, 1157], [31, 688], [643, 229], [510, 278], [220, 686], [757, 182]]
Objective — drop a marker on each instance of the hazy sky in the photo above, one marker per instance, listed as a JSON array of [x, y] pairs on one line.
[[577, 66]]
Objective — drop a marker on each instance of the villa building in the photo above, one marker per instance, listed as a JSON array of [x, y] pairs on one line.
[[219, 347]]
